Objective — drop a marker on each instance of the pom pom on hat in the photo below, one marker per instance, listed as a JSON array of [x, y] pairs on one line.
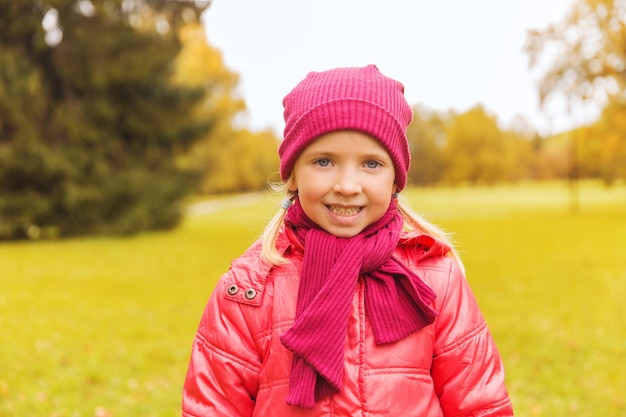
[[361, 99]]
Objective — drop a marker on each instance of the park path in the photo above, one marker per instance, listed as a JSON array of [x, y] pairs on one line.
[[213, 206]]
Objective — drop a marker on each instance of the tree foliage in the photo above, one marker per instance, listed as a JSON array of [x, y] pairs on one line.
[[426, 135], [604, 144], [587, 51], [586, 62], [90, 123], [231, 158], [472, 148], [475, 148]]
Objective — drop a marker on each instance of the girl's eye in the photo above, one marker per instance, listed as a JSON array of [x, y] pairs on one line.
[[372, 164], [323, 162]]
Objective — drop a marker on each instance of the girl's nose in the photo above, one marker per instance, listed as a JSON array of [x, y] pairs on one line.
[[347, 183]]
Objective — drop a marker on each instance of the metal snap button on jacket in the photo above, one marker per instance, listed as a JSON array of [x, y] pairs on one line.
[[251, 293], [233, 289]]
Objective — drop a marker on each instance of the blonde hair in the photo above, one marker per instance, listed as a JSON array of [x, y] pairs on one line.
[[412, 221]]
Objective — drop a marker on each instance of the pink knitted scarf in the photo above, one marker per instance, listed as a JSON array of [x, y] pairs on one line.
[[397, 301]]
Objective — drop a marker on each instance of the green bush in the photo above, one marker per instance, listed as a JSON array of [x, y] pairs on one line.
[[91, 128]]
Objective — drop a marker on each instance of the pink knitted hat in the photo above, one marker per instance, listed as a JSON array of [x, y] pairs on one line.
[[359, 99]]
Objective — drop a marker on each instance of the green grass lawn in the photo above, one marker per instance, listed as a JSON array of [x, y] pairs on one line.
[[103, 327]]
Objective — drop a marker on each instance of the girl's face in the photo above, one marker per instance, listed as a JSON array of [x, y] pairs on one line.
[[345, 180]]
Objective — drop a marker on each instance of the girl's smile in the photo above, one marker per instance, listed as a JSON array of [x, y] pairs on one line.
[[345, 180], [344, 211]]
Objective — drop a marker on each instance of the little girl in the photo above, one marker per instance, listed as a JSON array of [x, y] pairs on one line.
[[350, 304]]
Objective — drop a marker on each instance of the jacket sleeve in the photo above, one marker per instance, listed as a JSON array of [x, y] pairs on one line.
[[467, 369], [223, 374]]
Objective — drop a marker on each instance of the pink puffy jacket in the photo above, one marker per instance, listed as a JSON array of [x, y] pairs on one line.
[[239, 367]]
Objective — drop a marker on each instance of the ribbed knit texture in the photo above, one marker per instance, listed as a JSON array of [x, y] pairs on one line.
[[397, 301], [359, 99]]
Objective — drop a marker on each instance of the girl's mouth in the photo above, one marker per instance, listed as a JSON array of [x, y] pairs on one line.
[[344, 211]]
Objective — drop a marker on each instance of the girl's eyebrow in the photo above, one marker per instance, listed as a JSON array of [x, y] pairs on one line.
[[375, 155], [317, 153]]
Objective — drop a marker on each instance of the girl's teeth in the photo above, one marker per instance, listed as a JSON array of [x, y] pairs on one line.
[[343, 211]]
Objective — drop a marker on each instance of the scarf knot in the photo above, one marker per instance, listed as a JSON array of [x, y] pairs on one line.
[[397, 301]]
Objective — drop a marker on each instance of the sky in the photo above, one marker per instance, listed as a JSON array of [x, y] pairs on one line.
[[449, 54]]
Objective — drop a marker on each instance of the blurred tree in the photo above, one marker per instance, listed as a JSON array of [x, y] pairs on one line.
[[246, 162], [523, 148], [610, 130], [231, 159], [471, 147], [426, 135], [587, 63], [91, 124], [552, 157], [590, 147], [476, 148]]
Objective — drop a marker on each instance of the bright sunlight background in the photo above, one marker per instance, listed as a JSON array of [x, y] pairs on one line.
[[448, 53]]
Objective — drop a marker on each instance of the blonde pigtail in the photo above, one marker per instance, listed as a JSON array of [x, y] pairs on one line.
[[419, 223], [269, 252]]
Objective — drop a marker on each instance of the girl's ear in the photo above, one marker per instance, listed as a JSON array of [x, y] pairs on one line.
[[291, 183]]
